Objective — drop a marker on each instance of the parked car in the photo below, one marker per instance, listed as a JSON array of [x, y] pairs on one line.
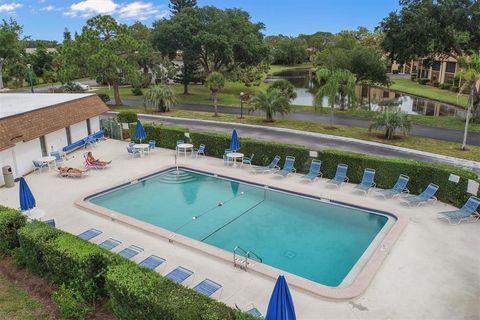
[[85, 87]]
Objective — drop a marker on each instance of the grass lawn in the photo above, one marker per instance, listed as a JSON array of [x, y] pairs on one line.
[[423, 144], [17, 304], [430, 92], [275, 68]]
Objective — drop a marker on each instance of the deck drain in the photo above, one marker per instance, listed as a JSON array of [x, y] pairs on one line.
[[290, 254]]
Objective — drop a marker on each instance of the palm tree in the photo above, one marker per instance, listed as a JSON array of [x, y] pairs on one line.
[[335, 83], [470, 72], [391, 120], [215, 82], [159, 97], [271, 102]]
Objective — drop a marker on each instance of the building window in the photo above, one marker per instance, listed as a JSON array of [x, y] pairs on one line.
[[451, 67], [89, 128], [386, 94], [69, 135], [364, 91], [436, 65], [43, 146]]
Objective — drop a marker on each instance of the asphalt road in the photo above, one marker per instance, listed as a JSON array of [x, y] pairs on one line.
[[416, 130], [309, 140]]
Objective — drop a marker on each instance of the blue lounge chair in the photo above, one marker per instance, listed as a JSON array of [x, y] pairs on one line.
[[39, 165], [199, 152], [152, 262], [110, 244], [273, 166], [133, 152], [152, 144], [50, 222], [207, 287], [427, 195], [367, 181], [314, 171], [287, 167], [89, 234], [179, 274], [248, 160], [466, 213], [227, 160], [130, 252], [340, 176], [399, 188]]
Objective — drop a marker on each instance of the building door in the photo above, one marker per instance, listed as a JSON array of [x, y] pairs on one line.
[[43, 146], [89, 128], [69, 135]]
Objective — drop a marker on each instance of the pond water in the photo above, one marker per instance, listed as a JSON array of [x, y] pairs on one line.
[[305, 88]]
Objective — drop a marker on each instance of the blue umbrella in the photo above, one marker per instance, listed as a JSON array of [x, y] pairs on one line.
[[27, 201], [140, 131], [234, 142], [281, 306]]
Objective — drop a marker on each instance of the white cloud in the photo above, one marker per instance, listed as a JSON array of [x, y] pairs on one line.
[[87, 8], [48, 8], [10, 7], [139, 10]]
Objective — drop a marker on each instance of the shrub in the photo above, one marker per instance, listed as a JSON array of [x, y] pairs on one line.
[[136, 91], [388, 170], [105, 97], [127, 117], [138, 293], [422, 80], [18, 258], [445, 86], [454, 89], [436, 84], [10, 221], [33, 239], [413, 77], [71, 303], [166, 137], [391, 120]]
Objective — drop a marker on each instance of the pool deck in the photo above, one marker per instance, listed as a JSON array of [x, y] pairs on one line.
[[431, 272]]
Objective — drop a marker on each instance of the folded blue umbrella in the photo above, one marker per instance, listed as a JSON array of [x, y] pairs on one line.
[[27, 200], [140, 131], [234, 141], [281, 306]]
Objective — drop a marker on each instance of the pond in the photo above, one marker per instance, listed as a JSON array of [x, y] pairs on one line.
[[305, 88]]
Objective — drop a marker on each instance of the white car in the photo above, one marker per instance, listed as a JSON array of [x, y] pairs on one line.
[[84, 87]]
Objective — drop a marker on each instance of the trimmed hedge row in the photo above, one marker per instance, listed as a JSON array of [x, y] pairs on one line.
[[387, 169], [85, 268]]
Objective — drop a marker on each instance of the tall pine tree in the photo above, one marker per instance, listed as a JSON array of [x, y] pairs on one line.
[[177, 5]]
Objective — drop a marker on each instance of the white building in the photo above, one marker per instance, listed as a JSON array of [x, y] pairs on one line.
[[34, 124]]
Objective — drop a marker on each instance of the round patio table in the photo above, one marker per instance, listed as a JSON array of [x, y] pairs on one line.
[[184, 147], [142, 147], [235, 156]]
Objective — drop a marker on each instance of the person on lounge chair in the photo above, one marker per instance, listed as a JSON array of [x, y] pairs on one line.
[[97, 162], [69, 171]]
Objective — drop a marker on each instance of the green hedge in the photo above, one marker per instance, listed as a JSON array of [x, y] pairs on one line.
[[127, 117], [166, 137], [388, 170], [141, 294], [10, 221]]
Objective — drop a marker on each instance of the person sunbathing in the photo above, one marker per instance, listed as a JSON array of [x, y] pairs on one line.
[[65, 171], [96, 162]]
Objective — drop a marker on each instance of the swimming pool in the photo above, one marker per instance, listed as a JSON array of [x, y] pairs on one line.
[[317, 240]]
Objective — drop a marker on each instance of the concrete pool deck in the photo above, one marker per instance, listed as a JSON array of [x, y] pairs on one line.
[[432, 272]]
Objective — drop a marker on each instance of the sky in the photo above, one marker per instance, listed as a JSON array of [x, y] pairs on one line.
[[46, 19]]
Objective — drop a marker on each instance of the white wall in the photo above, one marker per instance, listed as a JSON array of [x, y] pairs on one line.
[[94, 124], [57, 139], [78, 131], [25, 153]]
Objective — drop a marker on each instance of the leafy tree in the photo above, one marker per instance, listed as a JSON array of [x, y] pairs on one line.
[[18, 73], [111, 51], [10, 44], [317, 41], [333, 83], [41, 60], [391, 120], [215, 82], [285, 87], [159, 97], [249, 75], [176, 6], [470, 73], [286, 50], [49, 76], [271, 102]]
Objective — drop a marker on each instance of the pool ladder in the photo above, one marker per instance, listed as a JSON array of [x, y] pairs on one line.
[[241, 261]]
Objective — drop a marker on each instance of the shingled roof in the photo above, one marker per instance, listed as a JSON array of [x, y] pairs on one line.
[[36, 119]]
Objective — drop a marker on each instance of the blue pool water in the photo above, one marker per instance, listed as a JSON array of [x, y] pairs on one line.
[[316, 240]]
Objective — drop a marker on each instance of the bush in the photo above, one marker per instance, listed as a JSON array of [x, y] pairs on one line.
[[388, 170], [137, 91], [18, 258], [436, 84], [127, 117], [413, 77], [33, 239], [10, 221], [423, 80], [454, 89], [445, 86], [138, 293], [105, 97], [166, 137], [71, 303]]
